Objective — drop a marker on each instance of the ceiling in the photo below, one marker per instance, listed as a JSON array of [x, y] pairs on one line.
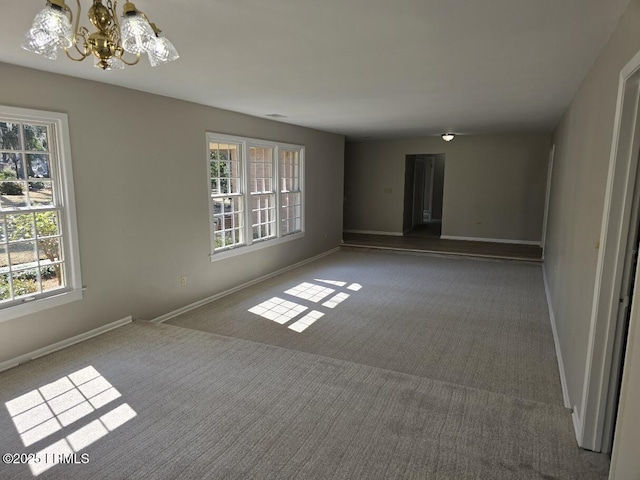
[[362, 68]]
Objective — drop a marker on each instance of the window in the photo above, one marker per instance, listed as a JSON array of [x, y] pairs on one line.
[[263, 195], [256, 193], [39, 261], [290, 192]]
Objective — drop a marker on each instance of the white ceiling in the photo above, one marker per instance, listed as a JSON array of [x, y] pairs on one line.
[[380, 68]]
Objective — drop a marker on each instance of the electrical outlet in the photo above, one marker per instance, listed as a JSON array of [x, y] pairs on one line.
[[183, 280], [388, 190]]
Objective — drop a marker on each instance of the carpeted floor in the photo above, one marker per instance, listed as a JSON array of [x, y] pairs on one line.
[[357, 366], [193, 405], [477, 323]]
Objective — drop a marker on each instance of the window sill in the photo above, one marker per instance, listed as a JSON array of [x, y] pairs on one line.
[[255, 246], [9, 313]]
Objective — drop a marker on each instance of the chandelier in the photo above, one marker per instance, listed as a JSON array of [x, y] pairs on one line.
[[134, 35]]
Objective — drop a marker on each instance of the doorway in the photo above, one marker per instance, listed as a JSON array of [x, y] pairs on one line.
[[617, 262], [423, 194]]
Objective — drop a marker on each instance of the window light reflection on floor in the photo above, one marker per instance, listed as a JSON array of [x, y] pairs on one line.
[[279, 310], [306, 321], [309, 291], [332, 282], [336, 300], [282, 311], [57, 405]]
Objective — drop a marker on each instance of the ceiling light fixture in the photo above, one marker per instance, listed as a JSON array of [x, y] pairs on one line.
[[447, 137], [135, 35]]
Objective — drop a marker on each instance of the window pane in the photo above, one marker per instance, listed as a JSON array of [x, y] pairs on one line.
[[49, 249], [10, 136], [38, 165], [289, 170], [263, 214], [51, 277], [291, 213], [261, 169], [224, 168], [11, 166], [5, 288], [41, 194], [22, 254], [228, 215], [47, 224], [13, 195], [4, 257], [20, 226], [25, 282], [36, 138]]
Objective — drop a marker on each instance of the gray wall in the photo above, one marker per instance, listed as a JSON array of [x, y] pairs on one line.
[[494, 186], [583, 146], [141, 195]]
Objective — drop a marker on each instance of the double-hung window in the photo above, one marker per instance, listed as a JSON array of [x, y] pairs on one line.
[[262, 192], [290, 191], [256, 194], [39, 261]]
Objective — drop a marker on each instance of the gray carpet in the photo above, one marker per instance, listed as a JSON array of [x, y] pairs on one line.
[[213, 407], [481, 324]]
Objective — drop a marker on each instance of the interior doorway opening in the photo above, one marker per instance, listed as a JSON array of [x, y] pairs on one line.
[[617, 269], [423, 194]]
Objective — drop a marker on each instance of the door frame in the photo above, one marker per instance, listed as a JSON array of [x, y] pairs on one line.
[[432, 175], [623, 165]]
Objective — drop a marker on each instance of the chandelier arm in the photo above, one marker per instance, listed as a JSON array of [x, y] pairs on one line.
[[84, 33], [76, 24], [131, 64], [115, 16], [66, 50]]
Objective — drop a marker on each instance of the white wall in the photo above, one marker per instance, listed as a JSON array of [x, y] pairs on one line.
[[583, 145], [141, 194], [494, 186]]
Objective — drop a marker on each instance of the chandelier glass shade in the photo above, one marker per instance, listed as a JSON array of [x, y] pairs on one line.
[[133, 35]]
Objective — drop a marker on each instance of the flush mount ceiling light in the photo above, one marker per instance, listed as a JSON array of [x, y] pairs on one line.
[[52, 31], [447, 137]]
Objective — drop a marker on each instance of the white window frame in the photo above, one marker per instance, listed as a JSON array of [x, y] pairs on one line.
[[299, 191], [60, 142], [250, 245]]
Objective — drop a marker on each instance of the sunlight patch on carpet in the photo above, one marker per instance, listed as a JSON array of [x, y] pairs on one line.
[[50, 408], [282, 311], [279, 310]]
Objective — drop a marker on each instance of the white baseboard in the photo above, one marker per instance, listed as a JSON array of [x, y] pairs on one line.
[[492, 240], [372, 232], [14, 362], [577, 424], [556, 341], [212, 298]]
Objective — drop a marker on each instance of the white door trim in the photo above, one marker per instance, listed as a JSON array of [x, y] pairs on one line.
[[623, 164]]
